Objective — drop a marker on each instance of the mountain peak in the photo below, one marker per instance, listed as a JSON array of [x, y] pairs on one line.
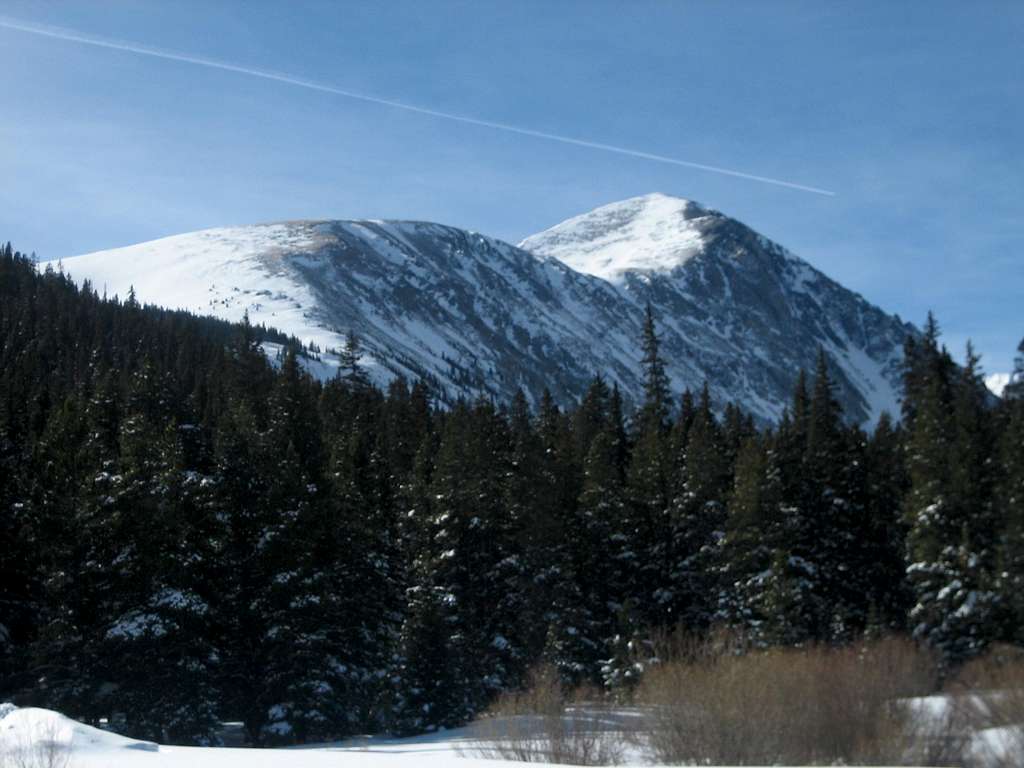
[[475, 317], [653, 232]]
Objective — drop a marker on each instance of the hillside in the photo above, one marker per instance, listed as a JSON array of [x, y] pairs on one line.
[[476, 316]]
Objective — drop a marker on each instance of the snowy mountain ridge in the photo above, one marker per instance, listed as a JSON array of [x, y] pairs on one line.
[[476, 316], [655, 232]]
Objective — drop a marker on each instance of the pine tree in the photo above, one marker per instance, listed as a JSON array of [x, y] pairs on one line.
[[687, 413], [835, 516], [1014, 390], [1010, 498], [469, 561], [345, 590], [948, 511], [591, 417], [536, 524], [256, 498], [426, 674], [793, 604], [752, 534], [432, 674], [631, 652], [155, 644], [49, 518], [573, 640], [646, 522], [697, 519], [305, 692], [17, 563], [925, 364], [80, 452], [559, 469], [605, 566], [884, 539], [654, 413], [349, 369], [294, 409]]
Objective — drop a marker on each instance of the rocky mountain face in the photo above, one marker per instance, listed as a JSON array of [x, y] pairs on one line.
[[735, 308], [476, 316]]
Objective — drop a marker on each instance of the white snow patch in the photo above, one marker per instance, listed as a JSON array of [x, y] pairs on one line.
[[654, 232], [93, 748], [996, 382], [136, 624], [225, 272], [26, 728]]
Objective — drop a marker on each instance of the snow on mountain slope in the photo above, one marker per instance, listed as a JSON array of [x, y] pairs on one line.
[[221, 272], [996, 382], [476, 316], [470, 314], [655, 232], [735, 308]]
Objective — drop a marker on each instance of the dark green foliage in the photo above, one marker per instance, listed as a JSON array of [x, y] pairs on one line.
[[1010, 509], [949, 506], [1014, 390], [886, 483], [190, 533], [752, 533], [647, 528], [702, 476], [654, 412], [603, 562]]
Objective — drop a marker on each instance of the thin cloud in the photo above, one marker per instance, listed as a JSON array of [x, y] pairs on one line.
[[61, 33]]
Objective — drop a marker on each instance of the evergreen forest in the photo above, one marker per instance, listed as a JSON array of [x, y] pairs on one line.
[[192, 532]]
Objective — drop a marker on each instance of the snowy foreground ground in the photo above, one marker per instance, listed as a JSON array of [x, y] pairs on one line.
[[40, 738], [91, 747]]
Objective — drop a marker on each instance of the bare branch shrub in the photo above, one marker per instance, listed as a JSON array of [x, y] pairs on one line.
[[44, 747], [544, 724], [989, 696], [795, 706]]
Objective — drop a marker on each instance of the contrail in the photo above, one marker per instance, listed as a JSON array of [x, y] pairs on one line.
[[61, 33]]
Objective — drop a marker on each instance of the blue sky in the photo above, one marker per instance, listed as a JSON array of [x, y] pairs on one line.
[[912, 112]]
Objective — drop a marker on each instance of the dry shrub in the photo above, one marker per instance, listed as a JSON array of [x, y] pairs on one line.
[[544, 724], [41, 754], [989, 695], [45, 747], [796, 706]]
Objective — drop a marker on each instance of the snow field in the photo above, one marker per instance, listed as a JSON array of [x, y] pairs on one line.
[[24, 731], [41, 738]]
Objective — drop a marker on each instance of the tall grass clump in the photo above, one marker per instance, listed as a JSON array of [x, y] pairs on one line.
[[988, 694], [721, 706]]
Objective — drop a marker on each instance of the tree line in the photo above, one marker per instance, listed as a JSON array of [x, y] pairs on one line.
[[191, 533]]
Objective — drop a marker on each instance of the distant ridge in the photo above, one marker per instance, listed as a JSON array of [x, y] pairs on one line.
[[476, 316]]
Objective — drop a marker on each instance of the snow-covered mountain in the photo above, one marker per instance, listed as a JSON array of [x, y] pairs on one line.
[[735, 308], [477, 316]]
